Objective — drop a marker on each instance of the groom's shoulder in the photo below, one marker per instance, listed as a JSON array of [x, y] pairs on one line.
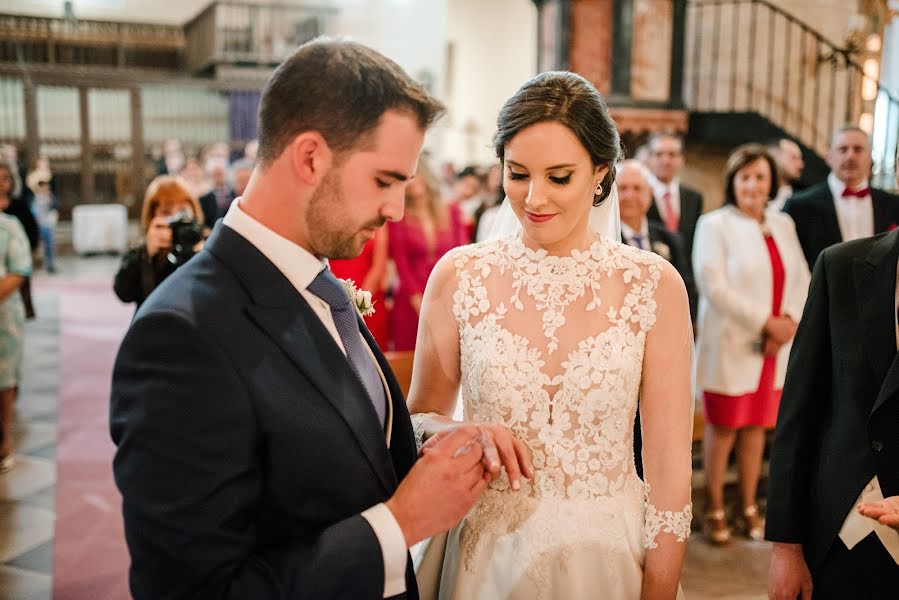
[[201, 291]]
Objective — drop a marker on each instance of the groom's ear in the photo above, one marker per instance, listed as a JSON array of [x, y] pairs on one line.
[[310, 157]]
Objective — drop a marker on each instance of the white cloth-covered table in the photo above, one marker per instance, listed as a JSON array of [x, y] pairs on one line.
[[99, 228]]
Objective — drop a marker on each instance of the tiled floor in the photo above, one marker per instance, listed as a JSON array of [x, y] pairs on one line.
[[27, 493]]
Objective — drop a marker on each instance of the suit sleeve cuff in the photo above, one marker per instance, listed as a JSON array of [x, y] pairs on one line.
[[393, 548]]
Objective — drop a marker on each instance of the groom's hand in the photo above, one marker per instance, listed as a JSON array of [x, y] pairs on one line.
[[442, 486], [501, 449], [788, 576]]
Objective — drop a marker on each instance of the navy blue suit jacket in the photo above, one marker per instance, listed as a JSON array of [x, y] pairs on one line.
[[247, 447]]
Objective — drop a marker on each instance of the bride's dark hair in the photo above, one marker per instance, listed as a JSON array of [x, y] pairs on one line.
[[571, 100]]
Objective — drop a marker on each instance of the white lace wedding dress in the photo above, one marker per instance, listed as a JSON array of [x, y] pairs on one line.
[[554, 348]]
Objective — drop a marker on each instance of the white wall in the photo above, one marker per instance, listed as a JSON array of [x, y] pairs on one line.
[[494, 51]]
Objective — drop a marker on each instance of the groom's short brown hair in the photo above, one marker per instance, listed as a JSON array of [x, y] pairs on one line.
[[339, 89]]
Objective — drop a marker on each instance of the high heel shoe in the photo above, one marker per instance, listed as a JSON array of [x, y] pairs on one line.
[[755, 525], [716, 526]]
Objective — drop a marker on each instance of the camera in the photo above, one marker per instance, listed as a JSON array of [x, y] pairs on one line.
[[187, 232]]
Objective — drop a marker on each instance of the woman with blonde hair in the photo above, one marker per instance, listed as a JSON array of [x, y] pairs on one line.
[[429, 230], [145, 267]]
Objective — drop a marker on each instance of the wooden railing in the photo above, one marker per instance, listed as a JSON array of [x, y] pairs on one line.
[[250, 34], [752, 56], [25, 39]]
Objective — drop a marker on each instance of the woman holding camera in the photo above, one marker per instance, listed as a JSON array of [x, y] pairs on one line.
[[146, 266], [753, 281]]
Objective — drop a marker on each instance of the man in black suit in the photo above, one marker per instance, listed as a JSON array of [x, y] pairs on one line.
[[216, 201], [264, 447], [843, 207], [634, 199], [675, 206], [837, 444]]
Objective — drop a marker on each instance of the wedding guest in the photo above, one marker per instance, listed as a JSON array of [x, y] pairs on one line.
[[172, 160], [752, 281], [242, 170], [143, 268], [45, 209], [836, 452], [15, 265], [429, 229], [675, 205], [844, 207], [466, 197], [788, 157], [367, 272], [216, 201], [492, 196], [16, 205], [634, 200]]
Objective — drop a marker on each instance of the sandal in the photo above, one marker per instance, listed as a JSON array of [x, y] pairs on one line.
[[716, 526], [754, 524]]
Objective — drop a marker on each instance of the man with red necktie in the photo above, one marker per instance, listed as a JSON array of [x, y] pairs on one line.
[[675, 206], [844, 207]]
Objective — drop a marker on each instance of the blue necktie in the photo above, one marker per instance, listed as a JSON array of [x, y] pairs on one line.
[[638, 239], [326, 287]]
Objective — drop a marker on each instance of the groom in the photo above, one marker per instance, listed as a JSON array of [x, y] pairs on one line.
[[264, 447]]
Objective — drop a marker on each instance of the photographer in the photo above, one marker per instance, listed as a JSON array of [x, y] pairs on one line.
[[171, 219]]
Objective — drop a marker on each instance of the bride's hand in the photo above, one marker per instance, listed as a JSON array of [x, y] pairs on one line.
[[501, 449]]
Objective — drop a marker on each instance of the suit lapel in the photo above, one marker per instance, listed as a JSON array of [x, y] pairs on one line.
[[875, 282], [288, 320], [830, 221], [402, 444]]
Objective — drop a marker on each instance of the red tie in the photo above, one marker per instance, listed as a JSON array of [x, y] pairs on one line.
[[671, 220], [862, 193]]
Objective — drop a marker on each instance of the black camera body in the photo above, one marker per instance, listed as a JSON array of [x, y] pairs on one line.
[[187, 232]]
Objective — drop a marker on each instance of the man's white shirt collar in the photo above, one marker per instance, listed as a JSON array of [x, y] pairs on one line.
[[630, 233], [297, 264], [659, 188]]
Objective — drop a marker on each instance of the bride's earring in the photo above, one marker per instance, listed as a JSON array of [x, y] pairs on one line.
[[598, 189], [597, 193]]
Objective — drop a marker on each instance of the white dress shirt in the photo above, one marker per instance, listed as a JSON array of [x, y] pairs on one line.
[[300, 267], [658, 193], [783, 193], [857, 527], [629, 234], [855, 215]]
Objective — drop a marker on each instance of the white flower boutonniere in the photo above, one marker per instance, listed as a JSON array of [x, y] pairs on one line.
[[361, 299], [662, 250]]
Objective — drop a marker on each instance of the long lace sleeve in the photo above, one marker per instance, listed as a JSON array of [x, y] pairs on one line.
[[666, 409]]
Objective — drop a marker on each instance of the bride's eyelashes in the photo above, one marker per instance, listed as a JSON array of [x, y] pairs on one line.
[[555, 179]]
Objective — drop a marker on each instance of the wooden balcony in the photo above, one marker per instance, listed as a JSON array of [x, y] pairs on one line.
[[262, 35], [108, 44]]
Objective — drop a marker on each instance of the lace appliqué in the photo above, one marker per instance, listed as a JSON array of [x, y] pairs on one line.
[[553, 282], [418, 428], [667, 521]]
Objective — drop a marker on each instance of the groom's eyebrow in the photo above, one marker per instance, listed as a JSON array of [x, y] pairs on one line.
[[394, 174]]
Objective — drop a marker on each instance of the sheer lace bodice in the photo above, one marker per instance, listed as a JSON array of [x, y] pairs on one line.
[[553, 347], [559, 359]]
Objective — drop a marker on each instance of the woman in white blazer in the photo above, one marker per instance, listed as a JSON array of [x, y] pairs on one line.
[[753, 280]]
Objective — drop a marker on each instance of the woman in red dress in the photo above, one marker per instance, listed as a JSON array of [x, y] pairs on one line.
[[429, 230], [367, 272], [753, 281]]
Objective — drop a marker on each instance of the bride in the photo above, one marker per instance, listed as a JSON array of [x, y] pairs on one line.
[[554, 333]]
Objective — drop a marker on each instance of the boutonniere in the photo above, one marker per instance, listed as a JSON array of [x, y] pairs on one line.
[[662, 249], [361, 299], [892, 227]]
